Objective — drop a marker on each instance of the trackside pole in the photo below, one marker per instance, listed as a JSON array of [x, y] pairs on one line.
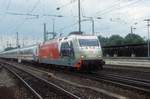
[[19, 60]]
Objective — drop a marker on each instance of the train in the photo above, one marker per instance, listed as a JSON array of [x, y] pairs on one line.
[[80, 52]]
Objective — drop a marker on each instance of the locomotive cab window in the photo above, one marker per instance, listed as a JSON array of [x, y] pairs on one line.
[[88, 42]]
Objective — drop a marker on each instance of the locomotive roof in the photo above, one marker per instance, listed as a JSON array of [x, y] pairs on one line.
[[82, 36], [66, 38], [70, 37]]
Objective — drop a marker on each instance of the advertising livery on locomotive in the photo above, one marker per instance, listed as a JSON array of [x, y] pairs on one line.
[[81, 52]]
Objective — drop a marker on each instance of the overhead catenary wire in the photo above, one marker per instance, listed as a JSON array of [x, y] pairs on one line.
[[67, 4], [35, 6], [72, 25], [74, 0], [110, 7], [29, 12], [114, 7], [133, 21], [24, 14], [8, 5], [118, 8], [6, 8], [66, 27]]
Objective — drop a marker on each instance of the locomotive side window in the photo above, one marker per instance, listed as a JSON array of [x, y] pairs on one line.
[[88, 42], [65, 49], [71, 50]]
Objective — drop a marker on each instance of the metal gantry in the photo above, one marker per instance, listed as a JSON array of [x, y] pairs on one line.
[[92, 21], [79, 15], [148, 25], [53, 33], [132, 28]]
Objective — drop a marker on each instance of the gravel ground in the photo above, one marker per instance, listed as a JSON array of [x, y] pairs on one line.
[[10, 88], [130, 68], [86, 93], [81, 91], [94, 84], [77, 89], [101, 85], [127, 72]]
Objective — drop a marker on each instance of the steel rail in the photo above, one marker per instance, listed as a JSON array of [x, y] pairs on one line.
[[127, 67], [25, 83], [134, 83], [67, 93], [144, 81], [123, 81]]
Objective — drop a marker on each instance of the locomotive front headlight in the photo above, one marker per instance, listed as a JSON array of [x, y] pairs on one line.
[[99, 56], [82, 56]]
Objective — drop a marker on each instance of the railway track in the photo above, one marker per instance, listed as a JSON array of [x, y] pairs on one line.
[[129, 82], [89, 90], [127, 68], [141, 85], [125, 82], [40, 88]]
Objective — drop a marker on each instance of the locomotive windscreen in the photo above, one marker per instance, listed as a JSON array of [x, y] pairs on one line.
[[88, 42]]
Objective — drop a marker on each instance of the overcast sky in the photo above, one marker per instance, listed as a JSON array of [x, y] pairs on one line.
[[117, 18]]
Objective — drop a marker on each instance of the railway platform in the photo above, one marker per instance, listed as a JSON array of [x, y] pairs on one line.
[[133, 62]]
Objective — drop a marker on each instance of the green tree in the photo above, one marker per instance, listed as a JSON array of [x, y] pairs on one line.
[[103, 40], [8, 48], [115, 40], [133, 39]]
